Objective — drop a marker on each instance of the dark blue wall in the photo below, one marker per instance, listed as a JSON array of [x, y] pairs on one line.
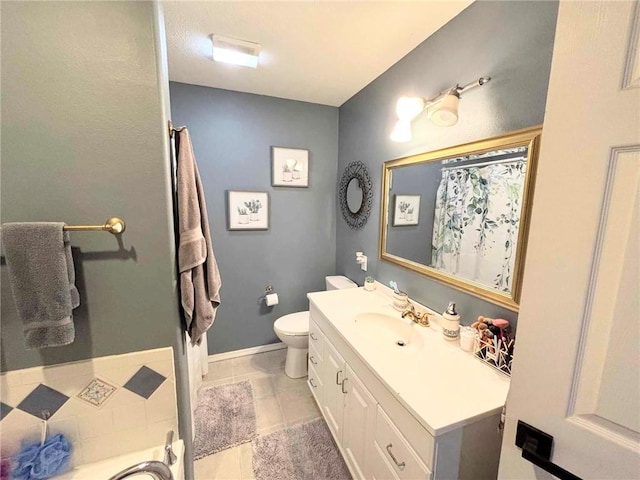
[[232, 135], [510, 41]]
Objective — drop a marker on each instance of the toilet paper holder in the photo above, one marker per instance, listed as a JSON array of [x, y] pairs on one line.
[[270, 297], [268, 290]]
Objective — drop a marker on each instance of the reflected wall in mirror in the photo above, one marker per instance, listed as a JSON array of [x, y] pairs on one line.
[[354, 195], [471, 230]]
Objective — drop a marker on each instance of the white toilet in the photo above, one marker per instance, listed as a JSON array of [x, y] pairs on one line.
[[293, 330]]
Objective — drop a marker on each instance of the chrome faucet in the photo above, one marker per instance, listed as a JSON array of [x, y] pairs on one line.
[[421, 319], [157, 470], [169, 457]]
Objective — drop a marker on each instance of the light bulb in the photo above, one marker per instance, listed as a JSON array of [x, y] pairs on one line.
[[409, 108], [401, 132]]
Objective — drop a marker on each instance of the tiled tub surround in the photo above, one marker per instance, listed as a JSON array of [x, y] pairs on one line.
[[105, 406]]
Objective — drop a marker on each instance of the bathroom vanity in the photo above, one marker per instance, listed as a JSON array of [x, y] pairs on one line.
[[400, 401]]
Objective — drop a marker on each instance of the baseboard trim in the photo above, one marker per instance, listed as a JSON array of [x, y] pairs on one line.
[[217, 357]]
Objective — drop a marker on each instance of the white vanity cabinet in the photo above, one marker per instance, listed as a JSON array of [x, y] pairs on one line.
[[347, 406], [378, 435]]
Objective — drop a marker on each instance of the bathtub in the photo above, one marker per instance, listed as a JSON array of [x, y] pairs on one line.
[[105, 469]]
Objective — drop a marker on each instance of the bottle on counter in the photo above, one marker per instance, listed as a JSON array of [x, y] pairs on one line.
[[451, 323]]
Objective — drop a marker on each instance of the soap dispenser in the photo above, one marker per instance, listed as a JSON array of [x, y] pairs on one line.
[[451, 323]]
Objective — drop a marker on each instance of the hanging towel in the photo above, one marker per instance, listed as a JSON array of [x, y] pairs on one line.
[[199, 276], [42, 281]]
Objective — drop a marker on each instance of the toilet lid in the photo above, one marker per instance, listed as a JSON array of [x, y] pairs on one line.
[[294, 323]]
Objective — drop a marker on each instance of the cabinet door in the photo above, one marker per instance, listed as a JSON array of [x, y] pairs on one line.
[[359, 419], [333, 373]]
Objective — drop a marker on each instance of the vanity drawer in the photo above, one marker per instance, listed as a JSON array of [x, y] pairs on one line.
[[315, 384], [316, 338], [315, 359], [399, 455]]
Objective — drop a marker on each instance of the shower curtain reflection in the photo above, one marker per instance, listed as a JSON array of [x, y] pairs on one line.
[[477, 215]]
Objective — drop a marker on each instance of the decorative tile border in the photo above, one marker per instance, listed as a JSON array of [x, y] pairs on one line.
[[97, 392], [105, 406]]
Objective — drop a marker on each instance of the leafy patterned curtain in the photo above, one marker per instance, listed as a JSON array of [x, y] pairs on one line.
[[477, 214]]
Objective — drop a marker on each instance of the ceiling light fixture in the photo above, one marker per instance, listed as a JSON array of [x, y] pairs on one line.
[[441, 109], [235, 51]]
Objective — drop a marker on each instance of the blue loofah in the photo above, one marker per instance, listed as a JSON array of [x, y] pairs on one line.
[[41, 461]]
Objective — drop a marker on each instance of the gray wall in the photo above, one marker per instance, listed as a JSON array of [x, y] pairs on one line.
[[84, 138], [414, 241], [511, 42], [232, 135]]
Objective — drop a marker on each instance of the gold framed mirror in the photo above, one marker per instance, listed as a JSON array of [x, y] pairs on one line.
[[460, 215]]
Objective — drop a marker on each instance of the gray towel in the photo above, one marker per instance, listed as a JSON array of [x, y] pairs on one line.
[[199, 276], [42, 281]]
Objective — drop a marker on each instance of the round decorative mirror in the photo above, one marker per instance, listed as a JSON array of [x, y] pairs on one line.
[[355, 193]]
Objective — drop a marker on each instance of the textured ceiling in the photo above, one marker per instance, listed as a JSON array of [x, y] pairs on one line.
[[320, 52]]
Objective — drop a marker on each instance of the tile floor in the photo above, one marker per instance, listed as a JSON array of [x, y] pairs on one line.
[[280, 403]]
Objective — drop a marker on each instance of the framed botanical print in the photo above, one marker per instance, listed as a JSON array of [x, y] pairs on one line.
[[289, 167], [247, 210], [407, 210]]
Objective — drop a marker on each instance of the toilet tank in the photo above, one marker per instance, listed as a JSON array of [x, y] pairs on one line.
[[338, 282]]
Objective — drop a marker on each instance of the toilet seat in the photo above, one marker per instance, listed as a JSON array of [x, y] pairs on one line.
[[294, 324]]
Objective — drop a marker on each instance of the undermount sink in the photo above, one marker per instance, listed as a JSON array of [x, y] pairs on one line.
[[388, 330]]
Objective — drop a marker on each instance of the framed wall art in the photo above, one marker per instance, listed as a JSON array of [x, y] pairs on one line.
[[407, 210], [247, 210], [289, 167]]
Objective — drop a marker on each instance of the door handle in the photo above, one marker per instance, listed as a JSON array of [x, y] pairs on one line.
[[311, 359], [312, 383], [536, 447], [313, 337]]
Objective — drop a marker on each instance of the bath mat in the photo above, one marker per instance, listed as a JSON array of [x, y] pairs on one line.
[[225, 417], [305, 451]]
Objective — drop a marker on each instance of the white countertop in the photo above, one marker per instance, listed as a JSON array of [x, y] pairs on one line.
[[441, 385]]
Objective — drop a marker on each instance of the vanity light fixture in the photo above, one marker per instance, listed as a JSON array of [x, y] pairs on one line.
[[235, 51], [441, 109]]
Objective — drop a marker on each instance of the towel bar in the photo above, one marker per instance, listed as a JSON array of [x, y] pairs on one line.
[[173, 129], [113, 225]]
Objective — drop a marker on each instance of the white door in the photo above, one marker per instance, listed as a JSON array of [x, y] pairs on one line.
[[333, 402], [359, 418], [576, 374]]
